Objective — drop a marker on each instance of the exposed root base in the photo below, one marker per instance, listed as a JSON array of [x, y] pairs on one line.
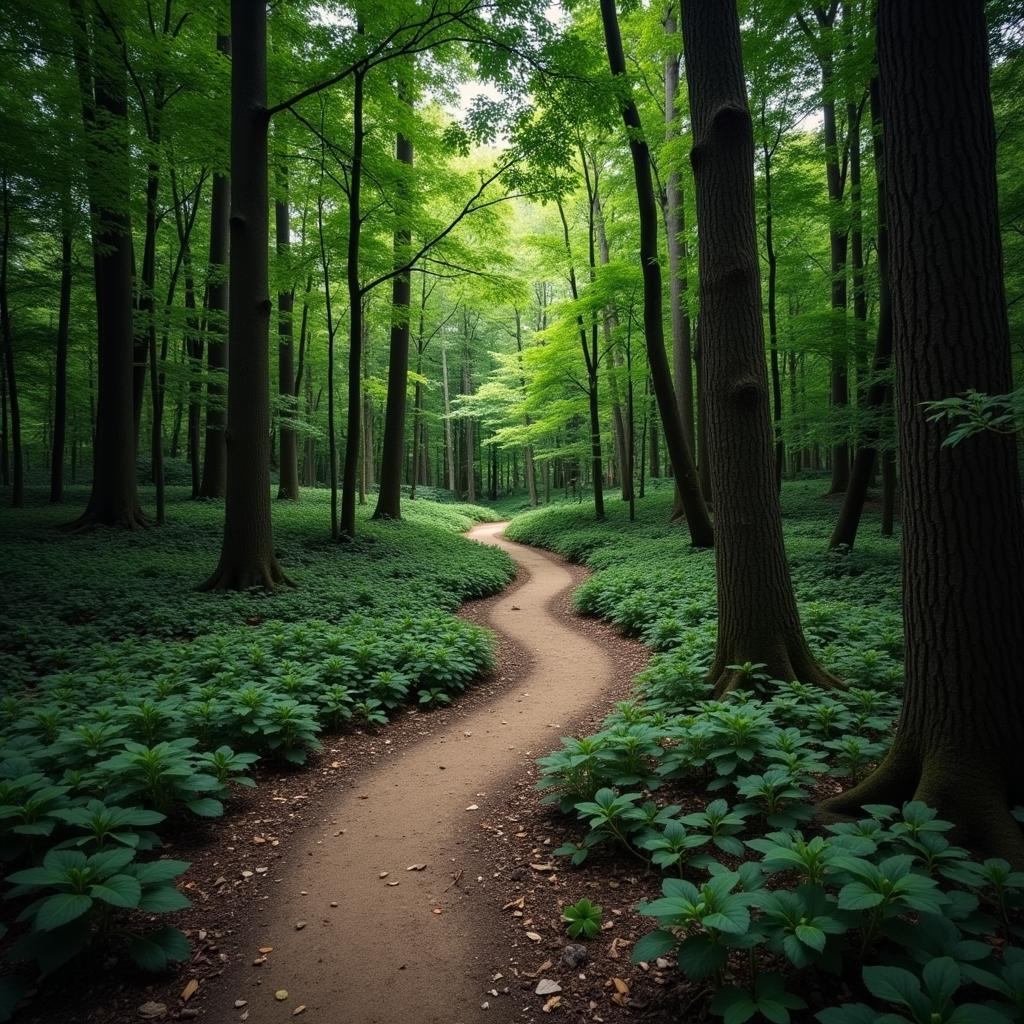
[[261, 577], [975, 800], [804, 668], [89, 520]]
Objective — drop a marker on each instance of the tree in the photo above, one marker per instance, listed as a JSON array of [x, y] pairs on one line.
[[698, 521], [247, 556], [758, 620], [102, 83], [959, 744], [288, 483]]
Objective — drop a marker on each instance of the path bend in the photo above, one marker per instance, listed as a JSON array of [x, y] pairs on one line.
[[382, 955]]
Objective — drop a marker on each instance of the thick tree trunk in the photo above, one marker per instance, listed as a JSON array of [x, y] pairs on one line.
[[758, 620], [698, 521], [247, 556], [389, 497], [18, 482], [959, 744], [60, 405], [879, 392], [288, 469], [113, 501], [214, 480]]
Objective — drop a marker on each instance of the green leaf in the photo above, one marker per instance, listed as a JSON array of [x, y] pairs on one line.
[[653, 945], [60, 909], [857, 896], [892, 985], [163, 899], [698, 957], [206, 807], [119, 891], [811, 936]]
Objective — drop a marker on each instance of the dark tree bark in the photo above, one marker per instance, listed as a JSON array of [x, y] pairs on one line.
[[60, 383], [102, 81], [768, 147], [389, 497], [835, 176], [353, 429], [959, 744], [682, 358], [247, 556], [698, 521], [214, 482], [288, 469], [879, 392], [18, 480], [758, 620]]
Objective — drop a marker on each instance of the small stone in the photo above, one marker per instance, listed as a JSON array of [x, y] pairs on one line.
[[299, 925], [574, 955], [281, 995], [239, 1003], [547, 987], [485, 1006]]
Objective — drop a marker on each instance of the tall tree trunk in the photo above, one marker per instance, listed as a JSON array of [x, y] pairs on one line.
[[60, 408], [758, 620], [214, 482], [468, 424], [824, 46], [449, 442], [768, 154], [288, 470], [531, 475], [353, 429], [698, 521], [103, 85], [5, 466], [389, 497], [878, 395], [247, 556], [959, 743], [682, 358], [18, 484]]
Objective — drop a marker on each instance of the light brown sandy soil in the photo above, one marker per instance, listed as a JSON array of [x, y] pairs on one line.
[[351, 947]]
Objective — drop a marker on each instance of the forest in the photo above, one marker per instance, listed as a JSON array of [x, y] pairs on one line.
[[512, 511]]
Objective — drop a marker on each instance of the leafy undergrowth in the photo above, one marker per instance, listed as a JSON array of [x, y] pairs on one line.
[[130, 702], [774, 915]]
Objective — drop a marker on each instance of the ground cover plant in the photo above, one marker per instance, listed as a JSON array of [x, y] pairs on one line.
[[759, 899], [132, 703]]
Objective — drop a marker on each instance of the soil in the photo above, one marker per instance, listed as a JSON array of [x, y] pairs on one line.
[[295, 891]]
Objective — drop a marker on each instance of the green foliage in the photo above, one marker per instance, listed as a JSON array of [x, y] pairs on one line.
[[582, 918]]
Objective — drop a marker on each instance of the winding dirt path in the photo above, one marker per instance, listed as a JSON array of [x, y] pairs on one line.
[[420, 952]]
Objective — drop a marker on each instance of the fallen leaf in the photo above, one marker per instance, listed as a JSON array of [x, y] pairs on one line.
[[437, 910], [391, 883], [301, 1008], [533, 936], [540, 970], [520, 902], [151, 1010], [543, 867], [472, 807], [239, 1003], [416, 867], [621, 986], [189, 990], [266, 949], [551, 1004], [384, 874]]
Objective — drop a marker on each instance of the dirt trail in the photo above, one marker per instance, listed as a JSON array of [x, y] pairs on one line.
[[383, 954]]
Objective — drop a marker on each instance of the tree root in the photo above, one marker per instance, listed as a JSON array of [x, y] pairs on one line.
[[263, 576], [974, 799], [779, 665], [91, 519]]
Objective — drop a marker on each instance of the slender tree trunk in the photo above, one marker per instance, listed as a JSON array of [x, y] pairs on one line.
[[682, 358], [247, 556], [214, 482], [698, 521], [288, 470], [5, 466], [768, 154], [468, 426], [353, 435], [389, 497], [113, 501], [449, 442], [18, 486], [758, 620], [60, 409], [878, 394], [959, 743]]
